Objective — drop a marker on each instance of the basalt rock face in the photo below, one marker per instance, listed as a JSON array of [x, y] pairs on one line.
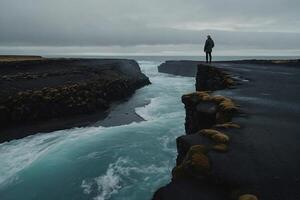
[[204, 153], [201, 152], [203, 111], [33, 91], [199, 115], [211, 78], [206, 116], [207, 76]]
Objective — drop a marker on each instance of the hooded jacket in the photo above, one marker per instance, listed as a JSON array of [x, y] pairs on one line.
[[209, 45]]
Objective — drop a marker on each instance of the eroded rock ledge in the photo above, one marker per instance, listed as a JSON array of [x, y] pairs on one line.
[[39, 90], [180, 68]]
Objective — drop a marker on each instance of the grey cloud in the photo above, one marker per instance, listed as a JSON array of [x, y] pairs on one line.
[[254, 24]]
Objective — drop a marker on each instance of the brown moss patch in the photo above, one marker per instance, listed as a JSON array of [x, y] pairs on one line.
[[198, 149], [248, 197], [215, 135], [226, 107], [222, 148], [227, 125], [228, 81], [195, 97], [220, 138], [13, 58], [196, 164]]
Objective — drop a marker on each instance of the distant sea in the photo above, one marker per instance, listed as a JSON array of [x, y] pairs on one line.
[[196, 58]]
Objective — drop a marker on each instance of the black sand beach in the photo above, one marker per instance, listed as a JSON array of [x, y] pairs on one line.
[[264, 152]]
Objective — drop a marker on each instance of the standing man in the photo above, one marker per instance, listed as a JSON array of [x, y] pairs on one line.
[[209, 45]]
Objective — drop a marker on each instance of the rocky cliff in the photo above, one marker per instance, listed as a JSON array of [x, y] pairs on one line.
[[199, 171], [40, 90]]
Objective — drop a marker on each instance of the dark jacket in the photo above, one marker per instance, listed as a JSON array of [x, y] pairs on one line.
[[209, 45]]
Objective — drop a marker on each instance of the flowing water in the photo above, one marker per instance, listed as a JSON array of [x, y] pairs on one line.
[[122, 162]]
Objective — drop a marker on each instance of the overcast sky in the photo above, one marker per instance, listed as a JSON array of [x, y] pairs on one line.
[[149, 26]]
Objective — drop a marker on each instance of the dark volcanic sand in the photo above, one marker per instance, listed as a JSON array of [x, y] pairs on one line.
[[264, 154]]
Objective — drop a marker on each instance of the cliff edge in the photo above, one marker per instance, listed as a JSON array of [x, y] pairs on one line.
[[239, 144]]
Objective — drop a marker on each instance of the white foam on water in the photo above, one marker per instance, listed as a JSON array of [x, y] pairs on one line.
[[17, 155], [165, 142], [168, 142], [147, 112], [108, 184], [115, 177], [104, 186], [86, 186]]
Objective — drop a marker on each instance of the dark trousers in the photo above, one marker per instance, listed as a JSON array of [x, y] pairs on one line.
[[208, 54]]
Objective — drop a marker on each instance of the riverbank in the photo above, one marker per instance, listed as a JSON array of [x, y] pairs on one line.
[[261, 143], [44, 95]]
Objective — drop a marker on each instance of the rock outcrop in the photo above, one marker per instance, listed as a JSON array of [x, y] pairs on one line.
[[33, 91], [204, 111], [180, 68], [207, 76], [212, 78]]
